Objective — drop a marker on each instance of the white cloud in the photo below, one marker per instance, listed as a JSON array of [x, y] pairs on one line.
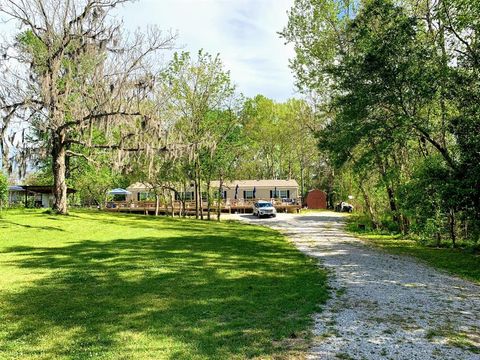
[[244, 32]]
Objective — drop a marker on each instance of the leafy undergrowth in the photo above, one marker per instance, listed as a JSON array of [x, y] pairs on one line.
[[113, 286], [460, 262]]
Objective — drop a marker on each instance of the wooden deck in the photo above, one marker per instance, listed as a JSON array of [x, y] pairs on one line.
[[232, 207]]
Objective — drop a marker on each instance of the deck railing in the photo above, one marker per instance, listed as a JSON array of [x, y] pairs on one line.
[[224, 204]]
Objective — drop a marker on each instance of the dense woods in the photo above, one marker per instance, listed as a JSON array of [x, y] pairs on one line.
[[397, 88]]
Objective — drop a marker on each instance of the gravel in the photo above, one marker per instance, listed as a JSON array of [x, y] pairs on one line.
[[382, 306]]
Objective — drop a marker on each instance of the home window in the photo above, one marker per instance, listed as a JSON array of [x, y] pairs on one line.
[[248, 194], [187, 196], [143, 196], [222, 195], [283, 194]]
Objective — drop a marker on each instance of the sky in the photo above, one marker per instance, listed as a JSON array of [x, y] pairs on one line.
[[243, 32]]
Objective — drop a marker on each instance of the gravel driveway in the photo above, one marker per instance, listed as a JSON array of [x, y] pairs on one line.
[[382, 306]]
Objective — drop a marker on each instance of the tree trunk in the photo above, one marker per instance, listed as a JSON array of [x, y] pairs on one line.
[[219, 198], [302, 186], [200, 200], [198, 190], [157, 204], [405, 224], [368, 204], [196, 197], [209, 201], [390, 192], [199, 186], [330, 195], [172, 204], [183, 202], [289, 169], [5, 165], [451, 218], [392, 203], [443, 82], [58, 167]]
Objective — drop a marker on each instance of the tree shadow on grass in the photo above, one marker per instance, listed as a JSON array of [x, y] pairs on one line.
[[142, 222], [28, 226], [200, 296]]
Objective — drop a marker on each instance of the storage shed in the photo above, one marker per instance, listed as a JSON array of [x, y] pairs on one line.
[[40, 196], [316, 199]]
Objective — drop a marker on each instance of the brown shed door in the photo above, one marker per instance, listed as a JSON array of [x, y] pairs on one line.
[[317, 199]]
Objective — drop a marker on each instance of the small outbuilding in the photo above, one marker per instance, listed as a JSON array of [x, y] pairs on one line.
[[316, 199], [40, 196]]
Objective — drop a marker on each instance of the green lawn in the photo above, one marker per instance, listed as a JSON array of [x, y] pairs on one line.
[[111, 286], [459, 262], [313, 211]]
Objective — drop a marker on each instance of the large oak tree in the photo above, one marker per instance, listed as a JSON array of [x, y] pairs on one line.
[[75, 80]]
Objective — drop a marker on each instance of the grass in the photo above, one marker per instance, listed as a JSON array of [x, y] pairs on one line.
[[112, 286], [313, 211], [455, 338], [459, 262]]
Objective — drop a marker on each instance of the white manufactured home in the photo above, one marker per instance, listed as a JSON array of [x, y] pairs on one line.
[[283, 190], [237, 190]]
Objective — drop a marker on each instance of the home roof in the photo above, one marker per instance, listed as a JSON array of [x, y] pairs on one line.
[[39, 189], [257, 183], [139, 186], [232, 184]]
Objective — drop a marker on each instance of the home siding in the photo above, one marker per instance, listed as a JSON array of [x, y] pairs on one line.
[[261, 192]]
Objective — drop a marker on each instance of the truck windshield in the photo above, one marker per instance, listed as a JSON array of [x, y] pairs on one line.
[[264, 205]]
